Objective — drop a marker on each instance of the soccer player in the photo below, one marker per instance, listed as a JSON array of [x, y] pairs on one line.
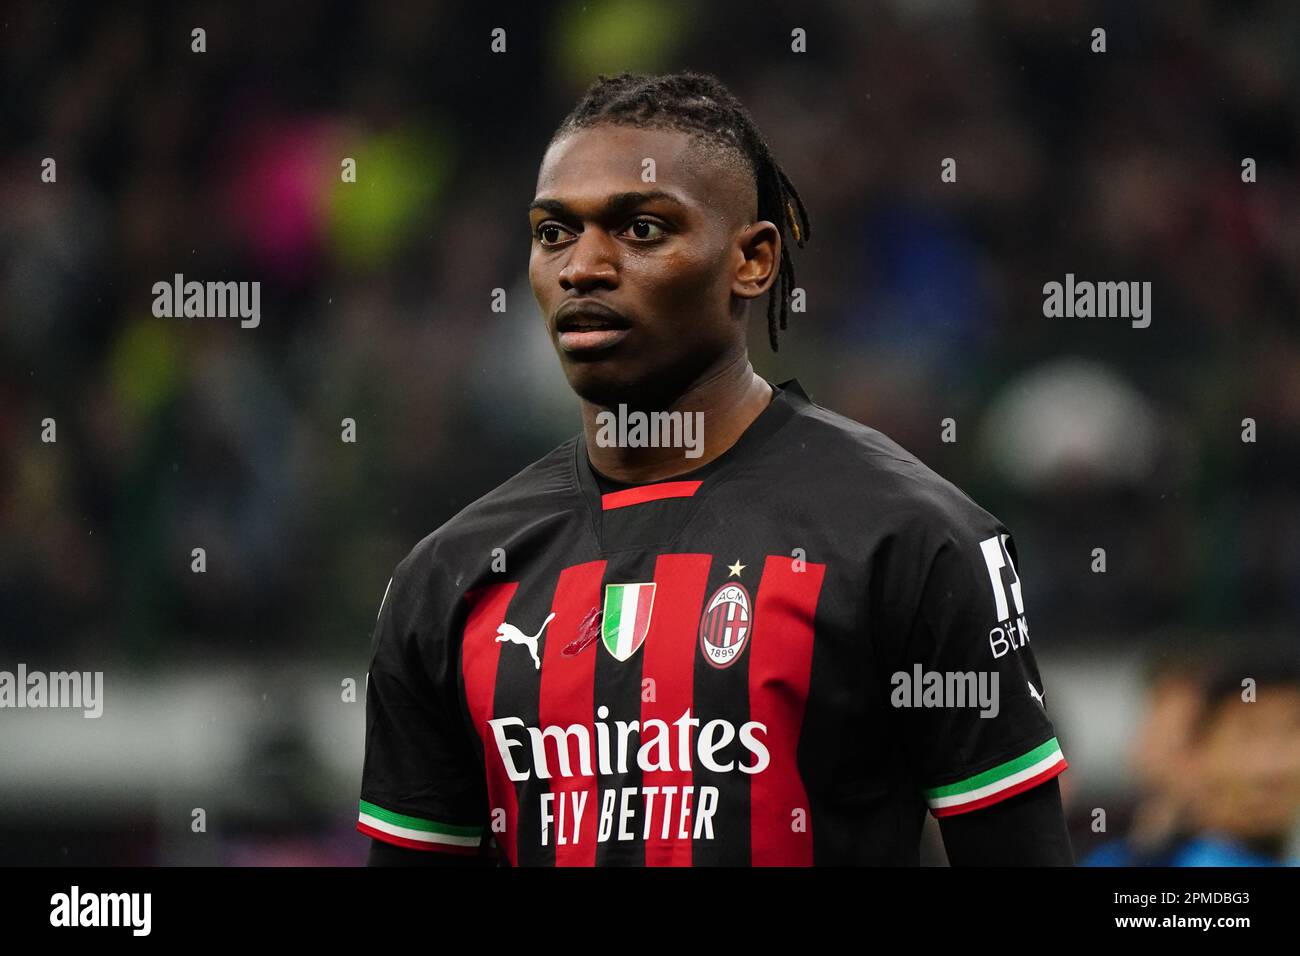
[[773, 640]]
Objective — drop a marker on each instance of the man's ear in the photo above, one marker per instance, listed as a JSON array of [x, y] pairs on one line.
[[758, 253]]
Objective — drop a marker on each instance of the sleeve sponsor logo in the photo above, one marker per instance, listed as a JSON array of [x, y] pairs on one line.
[[1007, 635]]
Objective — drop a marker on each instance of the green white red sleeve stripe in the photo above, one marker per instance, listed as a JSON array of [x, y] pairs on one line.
[[417, 833], [998, 783]]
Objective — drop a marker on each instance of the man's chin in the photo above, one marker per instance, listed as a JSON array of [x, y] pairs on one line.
[[608, 385]]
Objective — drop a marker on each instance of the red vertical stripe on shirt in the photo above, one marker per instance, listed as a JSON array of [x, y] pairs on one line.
[[780, 666], [566, 698], [669, 660], [480, 653]]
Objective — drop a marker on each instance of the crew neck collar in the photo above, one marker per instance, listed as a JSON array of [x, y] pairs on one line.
[[787, 399]]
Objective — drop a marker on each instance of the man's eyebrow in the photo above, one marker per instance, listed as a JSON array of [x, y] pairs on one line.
[[613, 206]]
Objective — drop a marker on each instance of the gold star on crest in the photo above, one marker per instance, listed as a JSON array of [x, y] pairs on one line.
[[736, 568]]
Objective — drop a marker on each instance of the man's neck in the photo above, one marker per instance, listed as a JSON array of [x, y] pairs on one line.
[[727, 402]]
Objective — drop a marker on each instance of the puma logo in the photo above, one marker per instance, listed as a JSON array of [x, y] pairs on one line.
[[508, 632], [1033, 692]]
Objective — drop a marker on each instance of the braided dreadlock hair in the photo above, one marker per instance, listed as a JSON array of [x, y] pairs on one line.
[[698, 103]]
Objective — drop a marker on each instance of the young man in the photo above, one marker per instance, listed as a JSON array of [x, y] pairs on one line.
[[1240, 753], [776, 645]]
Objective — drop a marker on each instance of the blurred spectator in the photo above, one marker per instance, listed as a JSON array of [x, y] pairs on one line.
[[1218, 766]]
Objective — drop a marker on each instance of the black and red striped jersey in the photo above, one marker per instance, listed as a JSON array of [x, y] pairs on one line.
[[781, 658]]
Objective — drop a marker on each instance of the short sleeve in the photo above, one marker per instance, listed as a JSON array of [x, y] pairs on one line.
[[421, 785], [969, 692]]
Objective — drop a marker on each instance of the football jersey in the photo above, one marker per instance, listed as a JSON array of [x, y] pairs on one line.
[[783, 657]]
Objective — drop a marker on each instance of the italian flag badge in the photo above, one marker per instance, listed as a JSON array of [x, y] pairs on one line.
[[627, 618]]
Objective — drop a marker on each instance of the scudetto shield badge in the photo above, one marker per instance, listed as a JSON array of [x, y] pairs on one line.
[[725, 625], [627, 618]]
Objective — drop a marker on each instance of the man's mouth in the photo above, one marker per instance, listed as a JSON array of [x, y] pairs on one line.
[[589, 327]]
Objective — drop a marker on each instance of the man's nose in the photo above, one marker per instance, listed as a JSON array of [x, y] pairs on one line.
[[592, 262]]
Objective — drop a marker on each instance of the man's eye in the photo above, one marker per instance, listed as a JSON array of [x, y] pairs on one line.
[[549, 234], [645, 229]]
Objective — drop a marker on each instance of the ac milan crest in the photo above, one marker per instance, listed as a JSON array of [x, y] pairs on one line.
[[725, 625]]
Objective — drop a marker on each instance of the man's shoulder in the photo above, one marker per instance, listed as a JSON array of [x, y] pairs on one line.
[[543, 488], [852, 462]]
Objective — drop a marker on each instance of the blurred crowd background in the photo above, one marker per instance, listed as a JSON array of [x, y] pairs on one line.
[[925, 302]]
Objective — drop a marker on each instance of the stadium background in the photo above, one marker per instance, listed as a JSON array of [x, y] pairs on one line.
[[223, 689]]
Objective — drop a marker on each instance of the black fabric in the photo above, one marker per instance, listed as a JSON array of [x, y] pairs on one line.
[[749, 657], [1025, 830]]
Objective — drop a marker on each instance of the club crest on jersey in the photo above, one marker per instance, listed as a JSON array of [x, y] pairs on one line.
[[725, 625], [626, 620]]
